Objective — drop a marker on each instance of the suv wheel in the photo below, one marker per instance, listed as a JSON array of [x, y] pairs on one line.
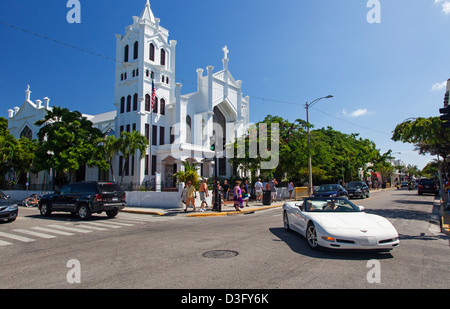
[[112, 213], [45, 210], [84, 212]]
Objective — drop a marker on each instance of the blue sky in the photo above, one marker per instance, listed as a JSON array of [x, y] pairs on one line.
[[286, 52]]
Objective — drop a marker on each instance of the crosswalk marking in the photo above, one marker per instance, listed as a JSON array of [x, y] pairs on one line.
[[53, 231], [103, 225], [15, 237], [96, 228], [72, 229], [4, 243], [32, 233]]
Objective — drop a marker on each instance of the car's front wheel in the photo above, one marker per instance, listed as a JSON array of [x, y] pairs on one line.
[[286, 222], [84, 212], [311, 237], [45, 210]]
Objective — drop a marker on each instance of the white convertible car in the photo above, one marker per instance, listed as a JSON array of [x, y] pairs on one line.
[[337, 223]]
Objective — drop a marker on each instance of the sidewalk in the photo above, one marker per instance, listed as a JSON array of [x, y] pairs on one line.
[[227, 210]]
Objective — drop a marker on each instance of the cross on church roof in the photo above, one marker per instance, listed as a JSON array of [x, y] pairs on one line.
[[225, 52]]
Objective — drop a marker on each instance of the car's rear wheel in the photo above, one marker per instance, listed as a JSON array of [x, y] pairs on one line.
[[311, 237], [112, 213]]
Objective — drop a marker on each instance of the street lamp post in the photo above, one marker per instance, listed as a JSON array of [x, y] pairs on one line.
[[308, 105]]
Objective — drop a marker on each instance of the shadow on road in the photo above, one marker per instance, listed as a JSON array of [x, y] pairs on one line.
[[299, 245]]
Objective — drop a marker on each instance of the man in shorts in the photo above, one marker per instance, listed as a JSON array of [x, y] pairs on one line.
[[191, 195]]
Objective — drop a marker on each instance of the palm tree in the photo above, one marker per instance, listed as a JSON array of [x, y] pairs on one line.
[[128, 144], [110, 148]]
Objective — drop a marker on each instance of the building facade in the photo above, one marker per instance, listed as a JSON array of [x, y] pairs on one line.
[[147, 99]]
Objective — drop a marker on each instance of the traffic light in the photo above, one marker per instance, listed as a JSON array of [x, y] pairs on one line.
[[446, 99], [213, 147], [445, 118]]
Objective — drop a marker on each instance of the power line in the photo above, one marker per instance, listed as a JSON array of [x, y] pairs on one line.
[[181, 80]]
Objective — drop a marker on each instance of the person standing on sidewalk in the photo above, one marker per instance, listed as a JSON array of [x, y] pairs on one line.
[[273, 189], [259, 190], [237, 196], [203, 194], [191, 195], [226, 191]]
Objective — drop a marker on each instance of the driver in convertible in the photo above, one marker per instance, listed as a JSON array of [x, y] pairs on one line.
[[331, 205]]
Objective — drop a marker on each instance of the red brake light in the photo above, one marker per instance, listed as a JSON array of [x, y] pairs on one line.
[[99, 198]]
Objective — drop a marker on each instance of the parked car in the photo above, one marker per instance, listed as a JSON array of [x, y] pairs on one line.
[[85, 198], [428, 186], [336, 223], [8, 209], [330, 191], [358, 189]]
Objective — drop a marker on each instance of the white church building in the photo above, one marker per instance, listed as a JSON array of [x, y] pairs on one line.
[[178, 127]]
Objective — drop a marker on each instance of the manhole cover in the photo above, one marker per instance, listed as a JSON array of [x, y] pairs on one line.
[[220, 254]]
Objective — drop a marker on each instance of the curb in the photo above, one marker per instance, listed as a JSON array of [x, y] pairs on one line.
[[231, 213]]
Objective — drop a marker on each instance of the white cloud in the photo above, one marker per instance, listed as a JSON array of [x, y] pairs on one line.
[[357, 113], [445, 4], [439, 86]]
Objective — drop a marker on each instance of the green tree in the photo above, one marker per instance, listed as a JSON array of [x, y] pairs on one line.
[[427, 135], [109, 147], [66, 143]]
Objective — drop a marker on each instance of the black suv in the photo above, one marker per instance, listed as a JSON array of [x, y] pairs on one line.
[[358, 189], [85, 198], [428, 186]]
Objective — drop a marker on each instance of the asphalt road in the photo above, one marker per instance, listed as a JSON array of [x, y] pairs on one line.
[[147, 252]]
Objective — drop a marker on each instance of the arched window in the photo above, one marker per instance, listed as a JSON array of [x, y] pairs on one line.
[[27, 133], [155, 107], [152, 52], [220, 120], [128, 104], [136, 50], [135, 102], [163, 56], [122, 105], [147, 102], [188, 129], [126, 53], [162, 109]]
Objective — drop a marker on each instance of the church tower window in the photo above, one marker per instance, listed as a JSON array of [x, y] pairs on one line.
[[126, 53], [152, 52], [162, 109], [147, 102], [122, 105], [163, 57], [135, 102], [136, 50], [128, 104]]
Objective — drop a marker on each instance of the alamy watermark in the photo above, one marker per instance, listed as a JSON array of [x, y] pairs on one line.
[[251, 141], [74, 14], [74, 274], [374, 274], [374, 14]]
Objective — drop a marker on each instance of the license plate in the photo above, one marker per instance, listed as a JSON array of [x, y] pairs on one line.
[[115, 199]]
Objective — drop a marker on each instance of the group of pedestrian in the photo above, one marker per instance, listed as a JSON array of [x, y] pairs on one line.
[[240, 193]]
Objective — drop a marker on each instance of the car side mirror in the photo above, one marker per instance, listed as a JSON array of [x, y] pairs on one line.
[[299, 205], [361, 208]]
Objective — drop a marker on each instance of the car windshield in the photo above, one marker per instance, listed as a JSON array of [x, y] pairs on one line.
[[352, 185], [327, 188], [329, 205], [427, 182]]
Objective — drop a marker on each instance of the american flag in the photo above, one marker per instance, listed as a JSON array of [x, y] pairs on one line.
[[153, 94]]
